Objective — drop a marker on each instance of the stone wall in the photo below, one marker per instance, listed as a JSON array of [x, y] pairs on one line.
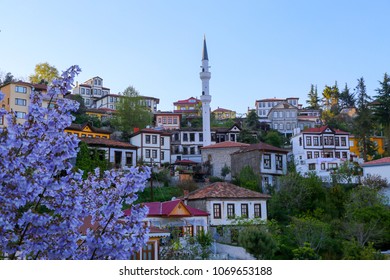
[[240, 160], [219, 157]]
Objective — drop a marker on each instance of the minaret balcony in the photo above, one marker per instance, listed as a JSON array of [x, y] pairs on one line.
[[205, 98], [205, 75]]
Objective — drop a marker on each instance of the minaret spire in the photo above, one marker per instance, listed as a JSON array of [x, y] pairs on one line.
[[205, 76], [204, 54]]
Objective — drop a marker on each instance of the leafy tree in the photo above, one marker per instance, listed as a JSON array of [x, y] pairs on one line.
[[367, 217], [305, 252], [225, 171], [274, 138], [364, 121], [131, 113], [89, 159], [247, 136], [258, 242], [307, 229], [313, 98], [382, 108], [44, 200], [44, 74], [248, 179]]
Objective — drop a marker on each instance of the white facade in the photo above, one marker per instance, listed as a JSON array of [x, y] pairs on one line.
[[154, 146], [320, 151], [205, 76], [239, 207], [91, 90]]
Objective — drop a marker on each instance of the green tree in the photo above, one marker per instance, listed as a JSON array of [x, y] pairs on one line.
[[44, 74], [313, 98], [131, 113], [274, 138], [252, 121], [258, 241], [363, 126], [7, 78], [248, 179], [225, 171], [347, 99], [89, 159], [382, 107], [367, 216], [247, 136]]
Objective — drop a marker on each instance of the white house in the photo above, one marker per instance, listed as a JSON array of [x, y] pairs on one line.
[[320, 150], [225, 202], [154, 146]]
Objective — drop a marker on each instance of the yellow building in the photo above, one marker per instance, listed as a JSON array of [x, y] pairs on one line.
[[354, 145], [17, 98], [224, 114], [189, 107], [87, 130]]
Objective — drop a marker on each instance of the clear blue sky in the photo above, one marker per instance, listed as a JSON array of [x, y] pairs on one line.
[[257, 49]]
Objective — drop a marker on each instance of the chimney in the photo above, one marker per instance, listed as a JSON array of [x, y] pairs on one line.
[[135, 129]]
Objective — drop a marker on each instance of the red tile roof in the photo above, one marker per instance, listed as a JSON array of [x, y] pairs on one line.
[[225, 190], [186, 101], [262, 147], [222, 110], [381, 161], [226, 144], [322, 129], [164, 209], [103, 142]]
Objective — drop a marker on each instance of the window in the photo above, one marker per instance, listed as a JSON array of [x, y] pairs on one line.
[[322, 166], [337, 154], [185, 137], [192, 137], [147, 153], [316, 154], [159, 119], [230, 211], [267, 161], [188, 230], [20, 115], [164, 120], [162, 141], [20, 89], [308, 140], [300, 141], [185, 151], [327, 154], [87, 102], [162, 155], [88, 91], [217, 211], [344, 154], [328, 140], [279, 162], [332, 165], [244, 210], [147, 139], [20, 102], [192, 150], [129, 159], [257, 210], [169, 120], [343, 141], [312, 166], [82, 90], [309, 155], [154, 153], [315, 140], [337, 141], [154, 139], [200, 137], [175, 120]]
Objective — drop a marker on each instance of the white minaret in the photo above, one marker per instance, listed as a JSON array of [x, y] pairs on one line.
[[205, 76]]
